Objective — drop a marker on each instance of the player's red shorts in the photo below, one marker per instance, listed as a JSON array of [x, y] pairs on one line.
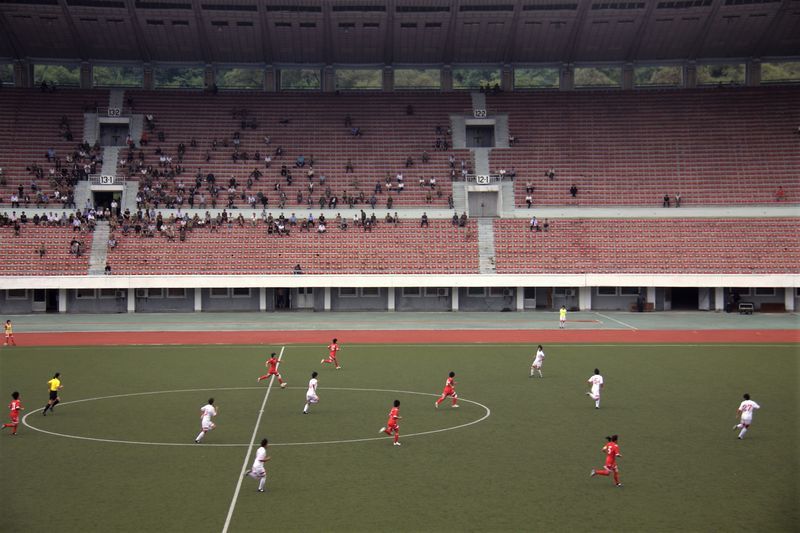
[[449, 391], [14, 418], [611, 465], [272, 372], [391, 425]]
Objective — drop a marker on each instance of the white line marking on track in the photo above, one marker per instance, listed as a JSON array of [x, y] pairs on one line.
[[249, 449], [617, 321]]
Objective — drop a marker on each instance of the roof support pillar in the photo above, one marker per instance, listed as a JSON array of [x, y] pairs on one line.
[[627, 77], [86, 75], [271, 76], [328, 79], [507, 77], [447, 78], [690, 75], [148, 81], [388, 78], [23, 74], [752, 73], [566, 77]]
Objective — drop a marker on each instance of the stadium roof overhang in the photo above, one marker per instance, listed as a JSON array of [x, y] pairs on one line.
[[398, 32]]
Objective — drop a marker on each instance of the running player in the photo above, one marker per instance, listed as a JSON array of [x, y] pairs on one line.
[[272, 370], [9, 331], [392, 426], [206, 425], [562, 317], [311, 393], [332, 349], [745, 411], [258, 471], [611, 449], [449, 390], [537, 361], [14, 408], [596, 382], [53, 386]]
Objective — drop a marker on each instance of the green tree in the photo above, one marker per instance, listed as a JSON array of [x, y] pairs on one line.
[[300, 79], [667, 75], [359, 78], [113, 76], [62, 75], [417, 78], [598, 77], [240, 78], [178, 78], [475, 78], [535, 78], [787, 71]]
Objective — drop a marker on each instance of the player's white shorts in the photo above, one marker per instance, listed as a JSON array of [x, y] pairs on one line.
[[258, 470], [537, 364], [595, 394], [747, 420], [207, 424], [312, 398]]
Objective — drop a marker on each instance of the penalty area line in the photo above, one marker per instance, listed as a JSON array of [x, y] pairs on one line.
[[249, 449]]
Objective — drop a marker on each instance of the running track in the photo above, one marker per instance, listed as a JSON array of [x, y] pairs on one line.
[[454, 336]]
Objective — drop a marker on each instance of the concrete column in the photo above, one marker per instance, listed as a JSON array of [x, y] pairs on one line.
[[454, 298], [388, 78], [86, 75], [566, 77], [326, 305], [148, 79], [651, 296], [23, 74], [62, 300], [719, 298], [262, 298], [788, 298], [131, 300], [690, 75], [328, 79], [271, 79], [198, 300], [752, 73], [209, 77], [627, 77], [704, 299], [507, 78], [585, 298], [520, 298], [390, 304], [447, 78]]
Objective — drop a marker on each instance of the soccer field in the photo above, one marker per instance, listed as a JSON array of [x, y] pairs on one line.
[[515, 456]]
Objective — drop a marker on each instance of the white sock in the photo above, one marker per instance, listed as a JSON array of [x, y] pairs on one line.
[[200, 436], [261, 483], [597, 403], [305, 409], [742, 432], [540, 373]]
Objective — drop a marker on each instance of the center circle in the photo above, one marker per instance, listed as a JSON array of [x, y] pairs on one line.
[[486, 414]]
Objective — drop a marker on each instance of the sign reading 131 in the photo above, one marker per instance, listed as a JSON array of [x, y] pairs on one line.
[[107, 180]]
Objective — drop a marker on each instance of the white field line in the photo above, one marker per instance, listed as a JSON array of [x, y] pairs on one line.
[[486, 415], [249, 449], [617, 321]]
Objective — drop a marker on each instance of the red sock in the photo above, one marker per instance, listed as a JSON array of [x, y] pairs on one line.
[[616, 477], [280, 380], [396, 436], [455, 400]]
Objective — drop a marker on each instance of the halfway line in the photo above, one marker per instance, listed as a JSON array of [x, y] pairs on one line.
[[249, 448]]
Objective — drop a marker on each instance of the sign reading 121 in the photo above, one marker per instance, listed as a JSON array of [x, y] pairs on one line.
[[483, 180]]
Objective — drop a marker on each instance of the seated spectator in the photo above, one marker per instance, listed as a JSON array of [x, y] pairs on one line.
[[665, 202], [321, 227], [348, 121], [455, 219], [425, 156], [780, 195], [409, 162], [112, 242], [546, 225], [348, 167], [297, 269], [300, 162], [551, 173], [424, 220], [573, 190], [42, 250], [462, 222], [535, 225], [678, 200], [529, 200], [356, 132], [107, 269]]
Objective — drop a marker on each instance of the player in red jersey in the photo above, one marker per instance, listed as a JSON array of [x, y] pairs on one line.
[[9, 334], [272, 370], [392, 426], [14, 408], [449, 390], [611, 449], [332, 349]]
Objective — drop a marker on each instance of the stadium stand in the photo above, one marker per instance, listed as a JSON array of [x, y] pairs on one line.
[[711, 146], [312, 126], [630, 246], [34, 122], [247, 249], [22, 253]]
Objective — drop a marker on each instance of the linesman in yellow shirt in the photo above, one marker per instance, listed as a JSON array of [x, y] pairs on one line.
[[54, 385]]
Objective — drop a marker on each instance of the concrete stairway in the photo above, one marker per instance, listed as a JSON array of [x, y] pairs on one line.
[[459, 196], [507, 208], [136, 127], [129, 196], [90, 127], [486, 246], [110, 157], [459, 137], [481, 160], [478, 100], [82, 193], [500, 131], [116, 98], [97, 260]]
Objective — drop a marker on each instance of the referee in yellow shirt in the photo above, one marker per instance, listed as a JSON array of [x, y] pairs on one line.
[[54, 385]]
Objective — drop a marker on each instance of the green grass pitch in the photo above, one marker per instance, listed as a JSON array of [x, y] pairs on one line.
[[525, 467]]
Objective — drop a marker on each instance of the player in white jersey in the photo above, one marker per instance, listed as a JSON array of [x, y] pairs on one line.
[[311, 393], [258, 471], [745, 412], [537, 361], [596, 381], [206, 425]]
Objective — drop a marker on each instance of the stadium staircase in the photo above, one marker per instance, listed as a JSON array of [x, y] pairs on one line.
[[129, 195], [486, 246], [90, 127], [116, 98], [99, 255], [110, 157], [82, 194]]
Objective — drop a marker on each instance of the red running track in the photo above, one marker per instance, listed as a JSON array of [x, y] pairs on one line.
[[471, 336]]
